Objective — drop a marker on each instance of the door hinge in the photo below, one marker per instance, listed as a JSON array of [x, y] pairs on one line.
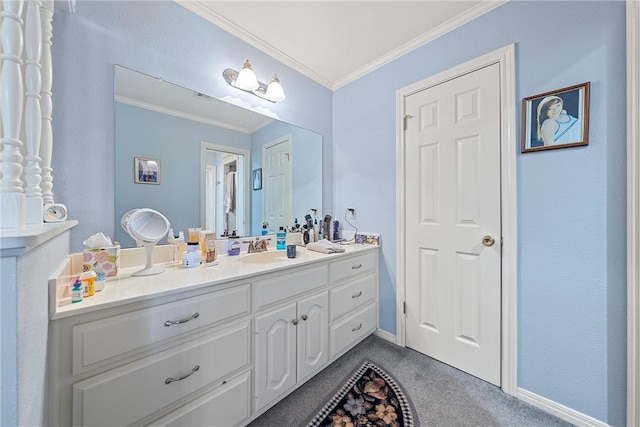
[[408, 116], [404, 307]]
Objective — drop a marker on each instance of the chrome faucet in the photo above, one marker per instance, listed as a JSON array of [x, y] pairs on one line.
[[259, 245]]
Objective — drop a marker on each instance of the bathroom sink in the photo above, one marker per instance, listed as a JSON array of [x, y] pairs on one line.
[[267, 257]]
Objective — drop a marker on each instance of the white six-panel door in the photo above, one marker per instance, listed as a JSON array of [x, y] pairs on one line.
[[453, 231], [277, 183]]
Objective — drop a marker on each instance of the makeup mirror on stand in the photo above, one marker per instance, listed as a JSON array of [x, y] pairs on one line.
[[148, 227]]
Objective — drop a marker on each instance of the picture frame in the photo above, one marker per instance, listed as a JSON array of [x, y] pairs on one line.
[[257, 179], [146, 171], [556, 119]]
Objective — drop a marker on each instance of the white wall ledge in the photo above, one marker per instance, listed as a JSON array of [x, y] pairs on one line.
[[16, 241]]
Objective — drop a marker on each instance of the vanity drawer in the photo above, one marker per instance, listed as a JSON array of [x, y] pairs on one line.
[[349, 331], [97, 341], [127, 394], [227, 405], [279, 288], [348, 297], [341, 270]]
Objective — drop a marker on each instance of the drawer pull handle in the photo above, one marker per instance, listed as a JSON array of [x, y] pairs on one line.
[[304, 317], [357, 328], [294, 321], [178, 322], [355, 267], [170, 380], [357, 295]]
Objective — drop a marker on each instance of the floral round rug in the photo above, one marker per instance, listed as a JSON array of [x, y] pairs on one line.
[[370, 397]]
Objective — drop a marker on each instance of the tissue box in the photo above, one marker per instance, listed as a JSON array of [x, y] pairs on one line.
[[102, 260]]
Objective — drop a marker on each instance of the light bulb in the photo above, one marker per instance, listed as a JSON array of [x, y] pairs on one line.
[[247, 79], [275, 92]]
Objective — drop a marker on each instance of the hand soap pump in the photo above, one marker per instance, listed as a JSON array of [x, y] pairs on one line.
[[281, 239], [265, 231]]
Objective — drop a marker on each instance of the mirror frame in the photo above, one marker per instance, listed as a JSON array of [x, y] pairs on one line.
[[204, 146]]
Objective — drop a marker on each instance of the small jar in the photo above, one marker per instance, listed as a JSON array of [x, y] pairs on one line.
[[191, 259], [88, 279], [77, 292]]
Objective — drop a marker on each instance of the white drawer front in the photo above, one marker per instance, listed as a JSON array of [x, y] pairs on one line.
[[350, 330], [124, 395], [270, 291], [353, 266], [348, 297], [225, 406], [100, 340]]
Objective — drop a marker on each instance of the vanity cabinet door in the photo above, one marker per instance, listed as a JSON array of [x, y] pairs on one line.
[[313, 339], [275, 361]]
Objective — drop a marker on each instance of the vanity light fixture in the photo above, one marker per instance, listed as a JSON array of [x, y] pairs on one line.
[[246, 80]]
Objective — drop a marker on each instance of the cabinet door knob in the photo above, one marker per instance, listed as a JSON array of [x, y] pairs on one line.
[[356, 295], [357, 328], [294, 321], [185, 320], [304, 317], [170, 380]]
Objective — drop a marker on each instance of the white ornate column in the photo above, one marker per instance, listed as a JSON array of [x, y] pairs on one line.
[[46, 147], [12, 200], [33, 114]]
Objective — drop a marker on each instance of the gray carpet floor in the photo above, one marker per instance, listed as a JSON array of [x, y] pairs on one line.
[[441, 395]]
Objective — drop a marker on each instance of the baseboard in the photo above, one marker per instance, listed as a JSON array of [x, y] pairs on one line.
[[560, 411], [386, 335]]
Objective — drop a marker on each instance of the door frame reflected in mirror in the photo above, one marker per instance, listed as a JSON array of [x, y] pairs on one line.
[[243, 202]]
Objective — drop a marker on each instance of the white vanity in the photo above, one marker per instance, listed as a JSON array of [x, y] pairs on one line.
[[207, 345]]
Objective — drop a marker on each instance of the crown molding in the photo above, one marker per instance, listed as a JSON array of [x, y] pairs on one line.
[[199, 8], [471, 14], [180, 114]]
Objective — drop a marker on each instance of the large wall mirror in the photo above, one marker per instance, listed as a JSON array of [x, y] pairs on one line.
[[196, 159]]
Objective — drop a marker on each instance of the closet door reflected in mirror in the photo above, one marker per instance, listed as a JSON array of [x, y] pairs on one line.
[[224, 205]]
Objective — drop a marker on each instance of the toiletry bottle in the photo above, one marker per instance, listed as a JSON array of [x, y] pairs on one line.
[[100, 281], [264, 231], [77, 292], [281, 239], [181, 247], [316, 232], [88, 280], [234, 247]]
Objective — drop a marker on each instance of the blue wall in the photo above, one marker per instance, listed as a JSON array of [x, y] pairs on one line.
[[176, 143], [571, 202], [159, 38]]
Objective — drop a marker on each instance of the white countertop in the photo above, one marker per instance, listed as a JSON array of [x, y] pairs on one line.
[[125, 288]]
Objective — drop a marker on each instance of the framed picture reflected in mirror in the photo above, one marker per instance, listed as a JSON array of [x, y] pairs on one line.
[[146, 171], [257, 179]]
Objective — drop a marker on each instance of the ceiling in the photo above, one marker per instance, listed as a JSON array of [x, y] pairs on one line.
[[336, 42]]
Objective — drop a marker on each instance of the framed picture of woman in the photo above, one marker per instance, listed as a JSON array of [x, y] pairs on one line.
[[556, 119], [146, 171]]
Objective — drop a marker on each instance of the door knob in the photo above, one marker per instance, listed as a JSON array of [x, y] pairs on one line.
[[488, 241]]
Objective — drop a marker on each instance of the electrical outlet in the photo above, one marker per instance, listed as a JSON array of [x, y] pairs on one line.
[[352, 213]]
